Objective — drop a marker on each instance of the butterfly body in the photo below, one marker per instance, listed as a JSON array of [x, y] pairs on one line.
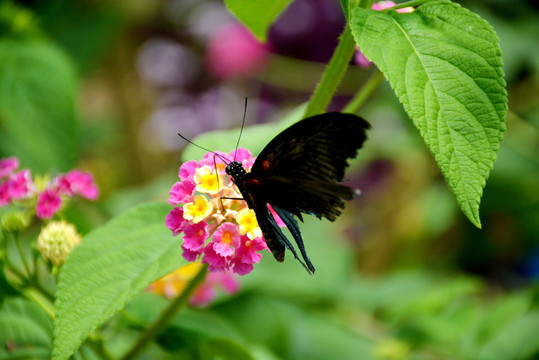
[[299, 172]]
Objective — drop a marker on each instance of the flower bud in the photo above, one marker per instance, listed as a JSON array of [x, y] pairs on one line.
[[57, 240], [14, 221]]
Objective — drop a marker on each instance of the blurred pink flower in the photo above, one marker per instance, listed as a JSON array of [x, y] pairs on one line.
[[15, 186], [77, 182], [48, 203], [7, 166], [20, 185], [207, 292], [4, 194], [234, 51], [359, 58]]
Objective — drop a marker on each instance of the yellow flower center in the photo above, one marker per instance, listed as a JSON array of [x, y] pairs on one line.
[[197, 210], [247, 223], [206, 180]]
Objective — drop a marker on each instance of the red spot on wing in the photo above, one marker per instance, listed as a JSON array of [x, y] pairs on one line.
[[253, 182], [266, 165]]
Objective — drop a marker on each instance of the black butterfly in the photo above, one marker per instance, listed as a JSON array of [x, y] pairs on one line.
[[299, 172]]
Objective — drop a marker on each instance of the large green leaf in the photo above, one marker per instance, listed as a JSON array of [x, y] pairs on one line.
[[257, 15], [26, 331], [109, 267], [516, 341], [444, 63], [37, 104]]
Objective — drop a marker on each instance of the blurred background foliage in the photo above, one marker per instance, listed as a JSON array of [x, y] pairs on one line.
[[106, 85]]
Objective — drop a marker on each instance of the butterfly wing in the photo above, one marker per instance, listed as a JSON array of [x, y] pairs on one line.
[[299, 170], [274, 237]]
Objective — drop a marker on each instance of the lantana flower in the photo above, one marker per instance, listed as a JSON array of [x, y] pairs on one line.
[[19, 185], [360, 58], [173, 284], [217, 225]]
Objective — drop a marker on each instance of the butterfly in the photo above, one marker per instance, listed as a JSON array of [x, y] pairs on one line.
[[299, 172]]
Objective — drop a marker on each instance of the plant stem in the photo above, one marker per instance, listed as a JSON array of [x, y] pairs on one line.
[[366, 90], [37, 296], [166, 315], [333, 75], [99, 347], [22, 255]]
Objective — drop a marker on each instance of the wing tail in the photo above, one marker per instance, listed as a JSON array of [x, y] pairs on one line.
[[275, 238], [293, 227]]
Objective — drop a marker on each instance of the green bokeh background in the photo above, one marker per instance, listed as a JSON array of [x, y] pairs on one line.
[[401, 275]]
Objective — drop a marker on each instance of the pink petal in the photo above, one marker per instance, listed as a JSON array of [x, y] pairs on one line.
[[48, 203], [242, 268], [4, 194], [203, 296], [241, 154], [195, 235], [7, 166], [20, 185], [77, 182], [181, 192], [215, 261], [187, 170], [175, 221], [190, 255]]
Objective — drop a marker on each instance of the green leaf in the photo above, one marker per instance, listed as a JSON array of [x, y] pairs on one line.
[[37, 104], [109, 267], [26, 331], [444, 63], [516, 341], [257, 15], [224, 349]]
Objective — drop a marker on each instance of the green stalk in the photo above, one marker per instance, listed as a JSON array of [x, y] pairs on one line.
[[37, 296], [363, 94], [333, 75], [166, 315], [22, 256]]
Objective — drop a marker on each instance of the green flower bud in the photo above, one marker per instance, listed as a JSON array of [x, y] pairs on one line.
[[14, 221], [57, 240]]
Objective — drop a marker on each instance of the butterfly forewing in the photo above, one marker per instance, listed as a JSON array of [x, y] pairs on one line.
[[300, 168]]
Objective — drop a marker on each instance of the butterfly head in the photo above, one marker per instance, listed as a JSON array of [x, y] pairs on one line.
[[236, 170]]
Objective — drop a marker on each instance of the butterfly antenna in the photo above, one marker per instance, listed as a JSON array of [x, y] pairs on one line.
[[241, 130], [203, 148]]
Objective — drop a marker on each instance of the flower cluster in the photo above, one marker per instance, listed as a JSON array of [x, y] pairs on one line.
[[207, 205], [173, 284], [359, 57], [18, 185]]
